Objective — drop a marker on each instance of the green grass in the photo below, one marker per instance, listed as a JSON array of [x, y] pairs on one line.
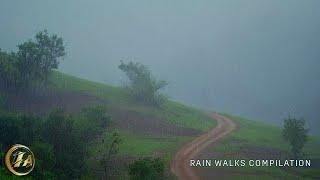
[[264, 135], [257, 134], [187, 117], [134, 145], [250, 133], [139, 145], [77, 85], [172, 112], [145, 145]]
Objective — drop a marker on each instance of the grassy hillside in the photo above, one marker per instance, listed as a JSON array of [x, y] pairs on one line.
[[137, 144], [158, 132], [256, 140], [172, 112], [144, 130], [116, 98]]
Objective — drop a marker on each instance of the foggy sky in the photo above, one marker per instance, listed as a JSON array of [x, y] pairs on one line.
[[258, 59]]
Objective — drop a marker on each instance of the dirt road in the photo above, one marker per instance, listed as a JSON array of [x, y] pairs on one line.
[[180, 162]]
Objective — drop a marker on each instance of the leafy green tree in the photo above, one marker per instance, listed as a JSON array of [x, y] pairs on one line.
[[58, 149], [147, 168], [29, 128], [143, 86], [46, 160], [68, 149], [33, 61], [295, 132], [9, 130], [92, 122], [8, 70], [50, 49], [27, 64], [16, 128], [58, 129], [36, 59]]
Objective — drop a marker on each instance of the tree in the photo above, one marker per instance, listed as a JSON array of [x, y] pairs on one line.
[[16, 128], [93, 120], [112, 150], [8, 70], [50, 49], [143, 86], [33, 61], [9, 130], [36, 59], [58, 130], [27, 64], [295, 132], [46, 160], [146, 168]]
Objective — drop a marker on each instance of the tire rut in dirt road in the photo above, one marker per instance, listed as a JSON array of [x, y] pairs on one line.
[[180, 162]]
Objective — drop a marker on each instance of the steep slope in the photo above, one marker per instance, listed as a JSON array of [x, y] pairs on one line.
[[145, 130]]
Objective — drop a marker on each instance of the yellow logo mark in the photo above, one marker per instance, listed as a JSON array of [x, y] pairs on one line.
[[19, 160]]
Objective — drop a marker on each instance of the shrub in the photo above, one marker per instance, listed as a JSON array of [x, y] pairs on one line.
[[97, 115], [46, 160], [92, 121], [142, 85], [296, 134], [58, 130], [9, 130], [147, 168]]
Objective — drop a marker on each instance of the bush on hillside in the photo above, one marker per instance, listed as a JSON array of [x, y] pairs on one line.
[[93, 121], [97, 114], [147, 168], [16, 128], [295, 132], [59, 131], [142, 85]]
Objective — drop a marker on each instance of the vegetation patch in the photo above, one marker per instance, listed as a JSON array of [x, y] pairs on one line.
[[258, 140], [171, 112], [136, 146]]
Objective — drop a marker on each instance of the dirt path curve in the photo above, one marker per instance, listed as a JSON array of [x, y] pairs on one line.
[[180, 162]]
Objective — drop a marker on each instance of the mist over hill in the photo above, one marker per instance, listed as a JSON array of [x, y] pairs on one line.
[[258, 59]]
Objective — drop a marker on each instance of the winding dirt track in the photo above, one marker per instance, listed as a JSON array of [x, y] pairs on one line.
[[180, 162]]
